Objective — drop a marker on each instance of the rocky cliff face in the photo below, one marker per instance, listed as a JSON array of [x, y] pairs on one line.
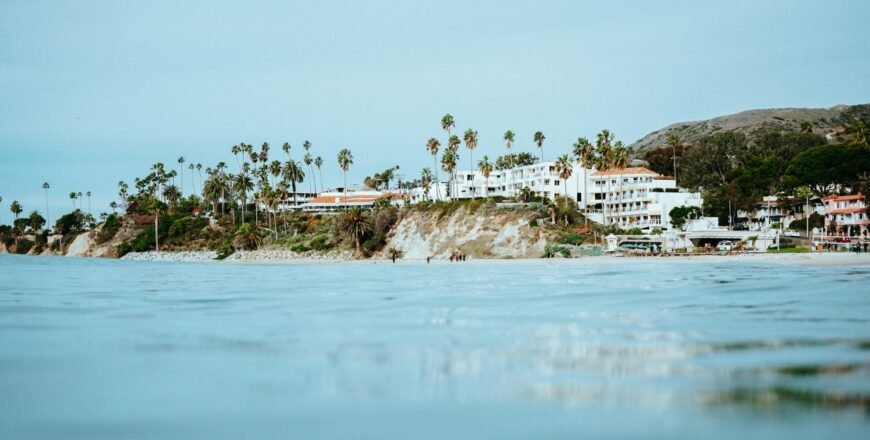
[[831, 122], [493, 234]]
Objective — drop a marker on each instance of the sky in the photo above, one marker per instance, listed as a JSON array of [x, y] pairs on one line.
[[93, 92]]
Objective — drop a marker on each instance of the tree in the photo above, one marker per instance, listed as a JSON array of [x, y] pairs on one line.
[[426, 181], [246, 238], [828, 167], [806, 127], [565, 169], [46, 186], [432, 146], [35, 221], [509, 161], [712, 159], [859, 132], [584, 153], [680, 214], [357, 224], [447, 123], [453, 146], [72, 197], [485, 168], [318, 162], [448, 164], [539, 142], [471, 143], [16, 209], [345, 160], [181, 173], [509, 137], [309, 160], [294, 174]]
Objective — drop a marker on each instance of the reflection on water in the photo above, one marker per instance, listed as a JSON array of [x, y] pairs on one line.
[[107, 349]]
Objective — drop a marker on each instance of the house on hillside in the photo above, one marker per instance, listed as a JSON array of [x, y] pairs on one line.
[[337, 199], [846, 215]]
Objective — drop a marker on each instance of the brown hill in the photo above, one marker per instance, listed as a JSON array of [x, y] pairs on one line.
[[831, 122]]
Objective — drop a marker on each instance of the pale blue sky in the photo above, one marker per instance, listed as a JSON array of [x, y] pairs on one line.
[[92, 92]]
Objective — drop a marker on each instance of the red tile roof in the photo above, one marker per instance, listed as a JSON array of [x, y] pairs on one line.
[[838, 198], [365, 198]]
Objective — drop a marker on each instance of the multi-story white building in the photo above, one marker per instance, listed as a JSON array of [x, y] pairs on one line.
[[627, 197], [338, 199], [636, 198]]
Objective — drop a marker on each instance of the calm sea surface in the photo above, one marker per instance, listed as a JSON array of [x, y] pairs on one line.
[[105, 349]]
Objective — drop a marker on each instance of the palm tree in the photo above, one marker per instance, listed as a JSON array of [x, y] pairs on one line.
[[46, 186], [242, 185], [803, 192], [345, 160], [470, 138], [509, 141], [859, 130], [79, 198], [453, 145], [447, 123], [318, 162], [72, 197], [356, 224], [199, 174], [308, 161], [294, 174], [16, 209], [181, 172], [485, 168], [171, 194], [192, 167], [584, 153], [114, 205], [246, 238], [426, 181], [539, 141], [432, 145], [604, 159], [565, 169], [448, 164], [88, 194]]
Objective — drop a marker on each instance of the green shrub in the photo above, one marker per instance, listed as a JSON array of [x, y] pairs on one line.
[[109, 229], [573, 238], [552, 250]]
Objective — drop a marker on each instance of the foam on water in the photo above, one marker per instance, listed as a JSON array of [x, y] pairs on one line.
[[525, 349]]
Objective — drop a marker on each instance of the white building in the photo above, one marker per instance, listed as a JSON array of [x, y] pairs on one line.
[[337, 199], [636, 198], [626, 197]]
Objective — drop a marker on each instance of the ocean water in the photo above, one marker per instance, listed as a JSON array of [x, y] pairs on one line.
[[106, 349]]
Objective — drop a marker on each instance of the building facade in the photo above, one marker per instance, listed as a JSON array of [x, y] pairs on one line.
[[627, 197], [846, 215]]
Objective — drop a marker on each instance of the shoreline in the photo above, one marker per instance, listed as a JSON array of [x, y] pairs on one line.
[[289, 257]]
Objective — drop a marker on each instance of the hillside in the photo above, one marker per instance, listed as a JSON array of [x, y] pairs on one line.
[[831, 121]]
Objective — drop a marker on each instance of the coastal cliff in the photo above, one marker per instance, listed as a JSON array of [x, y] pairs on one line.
[[487, 233]]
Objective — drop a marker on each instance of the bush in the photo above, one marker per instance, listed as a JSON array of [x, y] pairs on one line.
[[573, 238], [109, 229], [552, 250]]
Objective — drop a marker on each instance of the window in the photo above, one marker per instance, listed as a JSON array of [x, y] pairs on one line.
[[470, 177]]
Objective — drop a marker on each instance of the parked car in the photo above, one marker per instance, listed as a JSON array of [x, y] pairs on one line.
[[725, 246], [792, 234]]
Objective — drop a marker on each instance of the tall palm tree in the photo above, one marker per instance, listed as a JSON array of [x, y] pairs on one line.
[[242, 185], [565, 169], [192, 167], [16, 209], [308, 161], [72, 197], [448, 164], [674, 142], [199, 174], [470, 138], [453, 145], [509, 137], [318, 162], [604, 160], [345, 160], [539, 142], [294, 174], [88, 194], [46, 186], [181, 173], [447, 123], [485, 167], [585, 154], [426, 181], [79, 198], [432, 145], [357, 224]]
